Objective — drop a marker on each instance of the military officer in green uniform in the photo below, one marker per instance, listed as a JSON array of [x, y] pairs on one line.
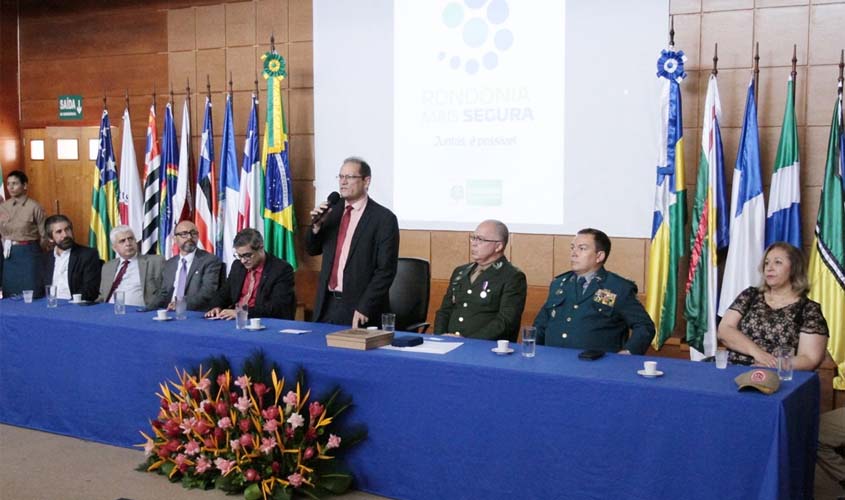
[[592, 308], [485, 298]]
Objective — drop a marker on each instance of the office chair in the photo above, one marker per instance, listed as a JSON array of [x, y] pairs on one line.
[[409, 294]]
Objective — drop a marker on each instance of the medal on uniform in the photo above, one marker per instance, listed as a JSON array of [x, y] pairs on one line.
[[483, 293], [553, 312]]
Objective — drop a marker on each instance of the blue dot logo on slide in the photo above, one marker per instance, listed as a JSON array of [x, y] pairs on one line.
[[481, 25]]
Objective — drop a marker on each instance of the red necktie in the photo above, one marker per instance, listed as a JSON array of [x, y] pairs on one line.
[[117, 279], [251, 289], [341, 237]]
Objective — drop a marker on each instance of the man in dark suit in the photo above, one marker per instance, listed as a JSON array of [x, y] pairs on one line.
[[193, 275], [138, 276], [359, 242], [592, 308], [258, 279], [72, 268]]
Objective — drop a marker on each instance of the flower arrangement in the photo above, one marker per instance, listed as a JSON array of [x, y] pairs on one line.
[[247, 434]]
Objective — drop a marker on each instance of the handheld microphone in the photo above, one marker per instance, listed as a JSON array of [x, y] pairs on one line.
[[333, 198]]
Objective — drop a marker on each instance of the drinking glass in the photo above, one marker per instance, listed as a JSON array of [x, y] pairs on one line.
[[181, 308], [721, 359], [27, 296], [51, 291], [529, 341], [388, 322], [784, 355], [241, 316], [120, 302]]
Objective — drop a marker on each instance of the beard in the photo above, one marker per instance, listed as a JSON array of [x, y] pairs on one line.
[[188, 246], [65, 243]]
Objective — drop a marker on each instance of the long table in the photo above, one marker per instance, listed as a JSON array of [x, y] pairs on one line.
[[467, 424]]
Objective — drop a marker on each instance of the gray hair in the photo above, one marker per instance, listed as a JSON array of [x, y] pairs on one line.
[[118, 230]]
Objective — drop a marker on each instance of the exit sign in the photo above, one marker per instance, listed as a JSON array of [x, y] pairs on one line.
[[70, 107]]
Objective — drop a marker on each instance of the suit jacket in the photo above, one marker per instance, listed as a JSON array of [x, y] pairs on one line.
[[83, 271], [371, 264], [203, 281], [275, 296], [149, 266], [490, 308], [599, 318]]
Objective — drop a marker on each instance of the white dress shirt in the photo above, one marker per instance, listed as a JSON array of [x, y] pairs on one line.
[[60, 277], [131, 284]]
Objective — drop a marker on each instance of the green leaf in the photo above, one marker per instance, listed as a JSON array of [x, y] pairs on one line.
[[337, 483], [253, 492], [280, 493]]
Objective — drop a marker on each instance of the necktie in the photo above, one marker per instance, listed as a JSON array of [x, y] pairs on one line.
[[250, 288], [582, 284], [341, 237], [183, 277], [117, 279]]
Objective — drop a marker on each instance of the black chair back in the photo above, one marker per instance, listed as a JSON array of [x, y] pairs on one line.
[[409, 294]]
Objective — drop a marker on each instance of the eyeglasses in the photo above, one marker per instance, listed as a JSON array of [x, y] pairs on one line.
[[474, 238], [188, 234], [349, 177], [243, 256]]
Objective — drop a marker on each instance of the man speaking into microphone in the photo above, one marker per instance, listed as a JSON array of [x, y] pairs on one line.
[[359, 242]]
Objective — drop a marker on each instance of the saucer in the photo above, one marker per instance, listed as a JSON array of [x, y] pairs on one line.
[[77, 302], [162, 319], [502, 353], [657, 373], [255, 329]]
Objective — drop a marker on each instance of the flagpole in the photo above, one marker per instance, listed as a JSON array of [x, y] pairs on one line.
[[715, 70], [756, 68], [126, 98], [208, 86], [794, 73], [671, 31]]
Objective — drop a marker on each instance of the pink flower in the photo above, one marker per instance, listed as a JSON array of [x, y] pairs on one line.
[[289, 432], [243, 383], [224, 465], [267, 445], [243, 425], [223, 381], [246, 440], [290, 399], [295, 480], [270, 413], [243, 404], [260, 389], [173, 407], [203, 464], [271, 425], [296, 420], [235, 444], [210, 442], [149, 448], [192, 447], [225, 423], [251, 475], [204, 385], [309, 453], [188, 425], [180, 459], [334, 442], [315, 409]]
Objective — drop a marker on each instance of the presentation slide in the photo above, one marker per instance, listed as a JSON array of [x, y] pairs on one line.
[[541, 114]]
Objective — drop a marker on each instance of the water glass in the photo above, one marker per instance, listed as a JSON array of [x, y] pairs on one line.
[[241, 316], [784, 355], [27, 296], [721, 359], [181, 308], [51, 291], [529, 341], [120, 302], [388, 322]]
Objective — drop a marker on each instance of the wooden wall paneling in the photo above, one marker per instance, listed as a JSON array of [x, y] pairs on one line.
[[10, 132], [38, 171]]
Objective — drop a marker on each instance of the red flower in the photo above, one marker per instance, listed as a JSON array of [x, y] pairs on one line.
[[309, 453], [276, 467], [157, 424], [173, 445], [244, 425], [260, 389], [233, 396], [210, 442], [311, 434], [208, 407], [252, 475], [172, 429], [222, 408], [202, 427], [222, 381], [270, 413], [219, 433], [246, 440], [163, 452], [164, 403], [315, 409]]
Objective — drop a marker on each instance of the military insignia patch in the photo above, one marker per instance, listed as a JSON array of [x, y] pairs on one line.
[[605, 296]]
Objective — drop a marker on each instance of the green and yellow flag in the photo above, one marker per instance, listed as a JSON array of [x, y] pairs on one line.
[[827, 256], [104, 213]]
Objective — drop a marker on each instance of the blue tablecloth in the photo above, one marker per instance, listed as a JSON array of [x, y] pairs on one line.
[[468, 424]]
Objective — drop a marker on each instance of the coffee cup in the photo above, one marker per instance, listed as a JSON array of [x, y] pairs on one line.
[[650, 367], [77, 297], [502, 345], [161, 314], [255, 323]]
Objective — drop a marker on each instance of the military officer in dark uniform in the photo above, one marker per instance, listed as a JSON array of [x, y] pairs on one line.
[[592, 308], [486, 297]]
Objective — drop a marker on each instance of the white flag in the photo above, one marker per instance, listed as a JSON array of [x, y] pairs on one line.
[[130, 202]]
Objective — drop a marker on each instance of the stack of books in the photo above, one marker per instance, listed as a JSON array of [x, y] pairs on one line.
[[357, 338]]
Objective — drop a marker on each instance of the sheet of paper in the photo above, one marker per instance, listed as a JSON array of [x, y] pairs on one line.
[[428, 347], [293, 331]]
